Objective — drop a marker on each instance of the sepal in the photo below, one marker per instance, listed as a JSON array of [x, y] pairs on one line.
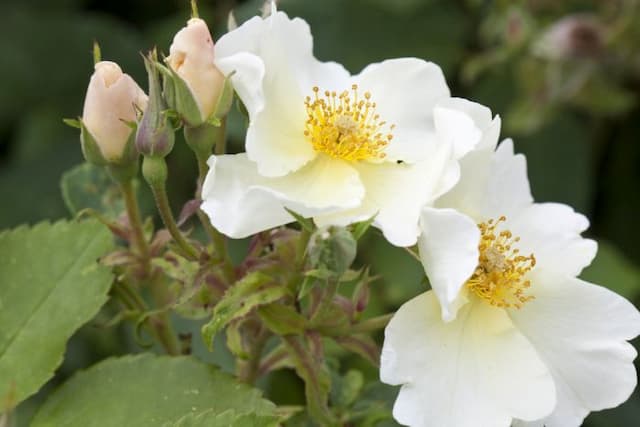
[[90, 149], [155, 135], [179, 97], [93, 154]]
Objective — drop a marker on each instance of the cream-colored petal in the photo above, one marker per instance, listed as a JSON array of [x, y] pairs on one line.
[[247, 72], [275, 138], [277, 53], [235, 203], [405, 91], [580, 331], [396, 193], [508, 189], [324, 185], [448, 248], [477, 370], [551, 231], [492, 184], [466, 124], [241, 202]]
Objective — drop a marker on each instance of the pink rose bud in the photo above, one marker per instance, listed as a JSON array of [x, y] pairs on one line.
[[572, 37], [112, 101], [191, 57]]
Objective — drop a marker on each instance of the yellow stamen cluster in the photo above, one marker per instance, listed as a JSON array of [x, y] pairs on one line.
[[345, 125], [499, 276]]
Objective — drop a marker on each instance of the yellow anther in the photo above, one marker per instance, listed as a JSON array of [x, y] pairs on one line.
[[499, 277], [345, 127]]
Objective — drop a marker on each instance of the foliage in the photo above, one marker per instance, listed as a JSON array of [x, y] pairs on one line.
[[44, 303]]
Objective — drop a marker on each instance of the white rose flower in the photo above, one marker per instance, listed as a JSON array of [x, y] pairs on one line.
[[328, 145], [111, 101], [508, 334], [192, 57]]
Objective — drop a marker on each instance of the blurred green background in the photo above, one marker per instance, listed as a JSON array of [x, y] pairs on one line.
[[564, 76]]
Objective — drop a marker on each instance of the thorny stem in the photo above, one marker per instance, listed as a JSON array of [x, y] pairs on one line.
[[162, 202], [372, 324], [154, 170], [133, 212], [159, 327], [218, 240], [329, 291], [272, 360], [250, 369], [307, 370]]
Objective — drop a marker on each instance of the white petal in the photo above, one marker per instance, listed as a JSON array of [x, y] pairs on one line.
[[232, 201], [551, 231], [508, 189], [469, 193], [449, 253], [396, 193], [283, 45], [520, 423], [492, 184], [405, 91], [324, 185], [466, 125], [475, 371], [241, 202], [580, 331], [275, 138], [247, 73]]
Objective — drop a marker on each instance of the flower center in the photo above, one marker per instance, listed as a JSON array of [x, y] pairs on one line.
[[499, 276], [345, 125]]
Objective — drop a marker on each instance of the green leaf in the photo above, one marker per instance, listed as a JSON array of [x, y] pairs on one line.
[[89, 186], [189, 291], [50, 286], [146, 390], [282, 319], [251, 291], [362, 345], [226, 419], [345, 390]]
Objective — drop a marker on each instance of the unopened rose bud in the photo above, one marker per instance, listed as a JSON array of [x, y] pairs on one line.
[[110, 106], [331, 250], [155, 135], [573, 37], [191, 57]]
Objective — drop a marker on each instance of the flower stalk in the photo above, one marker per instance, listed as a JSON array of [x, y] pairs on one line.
[[154, 170], [159, 326], [135, 221]]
